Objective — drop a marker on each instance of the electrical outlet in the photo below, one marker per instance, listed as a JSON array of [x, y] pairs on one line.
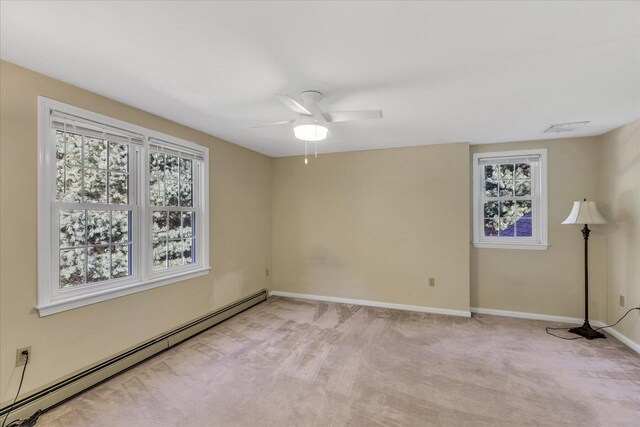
[[267, 272], [432, 281], [621, 300], [21, 359]]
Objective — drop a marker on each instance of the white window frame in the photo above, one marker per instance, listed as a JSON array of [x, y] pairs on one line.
[[539, 240], [51, 299]]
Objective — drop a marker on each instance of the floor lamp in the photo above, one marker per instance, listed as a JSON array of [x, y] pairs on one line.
[[585, 213]]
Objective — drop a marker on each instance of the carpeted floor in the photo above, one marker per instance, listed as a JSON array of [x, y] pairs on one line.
[[289, 362]]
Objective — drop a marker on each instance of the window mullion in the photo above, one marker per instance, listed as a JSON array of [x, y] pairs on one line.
[[142, 221], [81, 168]]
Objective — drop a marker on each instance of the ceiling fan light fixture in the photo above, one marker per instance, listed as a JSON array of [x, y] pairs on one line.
[[312, 132]]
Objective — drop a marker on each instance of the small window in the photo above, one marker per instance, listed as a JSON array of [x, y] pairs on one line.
[[121, 208], [510, 200]]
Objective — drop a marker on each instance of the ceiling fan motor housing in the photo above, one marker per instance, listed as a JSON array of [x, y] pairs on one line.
[[310, 97]]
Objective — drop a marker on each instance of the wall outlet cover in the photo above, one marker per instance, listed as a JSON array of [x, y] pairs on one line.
[[20, 358]]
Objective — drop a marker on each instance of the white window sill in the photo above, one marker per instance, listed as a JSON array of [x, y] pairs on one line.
[[107, 294], [525, 246]]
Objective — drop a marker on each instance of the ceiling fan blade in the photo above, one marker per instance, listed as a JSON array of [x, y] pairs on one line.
[[347, 116], [284, 122], [295, 106]]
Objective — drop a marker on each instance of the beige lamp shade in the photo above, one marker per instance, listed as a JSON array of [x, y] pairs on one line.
[[585, 213]]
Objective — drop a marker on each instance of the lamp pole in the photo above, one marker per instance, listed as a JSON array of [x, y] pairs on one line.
[[586, 330], [585, 234]]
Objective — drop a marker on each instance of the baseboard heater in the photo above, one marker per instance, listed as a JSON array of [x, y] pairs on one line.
[[75, 384]]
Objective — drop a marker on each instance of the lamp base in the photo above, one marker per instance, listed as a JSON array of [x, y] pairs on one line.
[[587, 331]]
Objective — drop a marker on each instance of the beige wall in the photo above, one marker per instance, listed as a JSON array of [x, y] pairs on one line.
[[369, 225], [375, 225], [240, 224], [620, 172], [552, 281]]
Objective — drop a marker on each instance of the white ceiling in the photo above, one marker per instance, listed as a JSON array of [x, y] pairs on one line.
[[440, 71]]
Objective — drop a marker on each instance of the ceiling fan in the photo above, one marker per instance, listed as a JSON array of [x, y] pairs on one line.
[[311, 126]]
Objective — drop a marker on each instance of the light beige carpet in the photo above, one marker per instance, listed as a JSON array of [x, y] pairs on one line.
[[290, 362]]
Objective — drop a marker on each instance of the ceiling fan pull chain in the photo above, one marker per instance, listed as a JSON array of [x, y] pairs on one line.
[[305, 153], [316, 139]]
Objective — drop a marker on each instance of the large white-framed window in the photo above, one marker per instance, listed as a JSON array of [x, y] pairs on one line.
[[121, 208], [510, 200]]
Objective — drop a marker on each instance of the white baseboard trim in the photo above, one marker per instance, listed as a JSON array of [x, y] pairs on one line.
[[405, 307], [623, 339], [526, 315], [574, 320]]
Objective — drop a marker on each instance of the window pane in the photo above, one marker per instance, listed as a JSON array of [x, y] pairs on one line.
[[491, 209], [95, 186], [506, 188], [185, 169], [71, 267], [72, 228], [118, 188], [156, 192], [170, 182], [59, 181], [523, 226], [59, 165], [186, 251], [506, 171], [119, 226], [172, 193], [523, 188], [98, 263], [491, 227], [156, 165], [73, 185], [491, 172], [118, 157], [523, 171], [60, 141], [185, 194], [95, 153], [187, 221], [120, 261], [491, 188], [98, 227], [174, 225], [172, 169], [507, 227], [74, 149], [507, 208], [511, 212], [175, 253], [160, 225], [523, 207], [160, 255]]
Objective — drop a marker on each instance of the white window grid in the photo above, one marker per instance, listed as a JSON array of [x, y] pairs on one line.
[[52, 299], [537, 158], [532, 197], [83, 205], [195, 208]]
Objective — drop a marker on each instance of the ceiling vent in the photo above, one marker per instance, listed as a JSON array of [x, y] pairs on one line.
[[566, 127]]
